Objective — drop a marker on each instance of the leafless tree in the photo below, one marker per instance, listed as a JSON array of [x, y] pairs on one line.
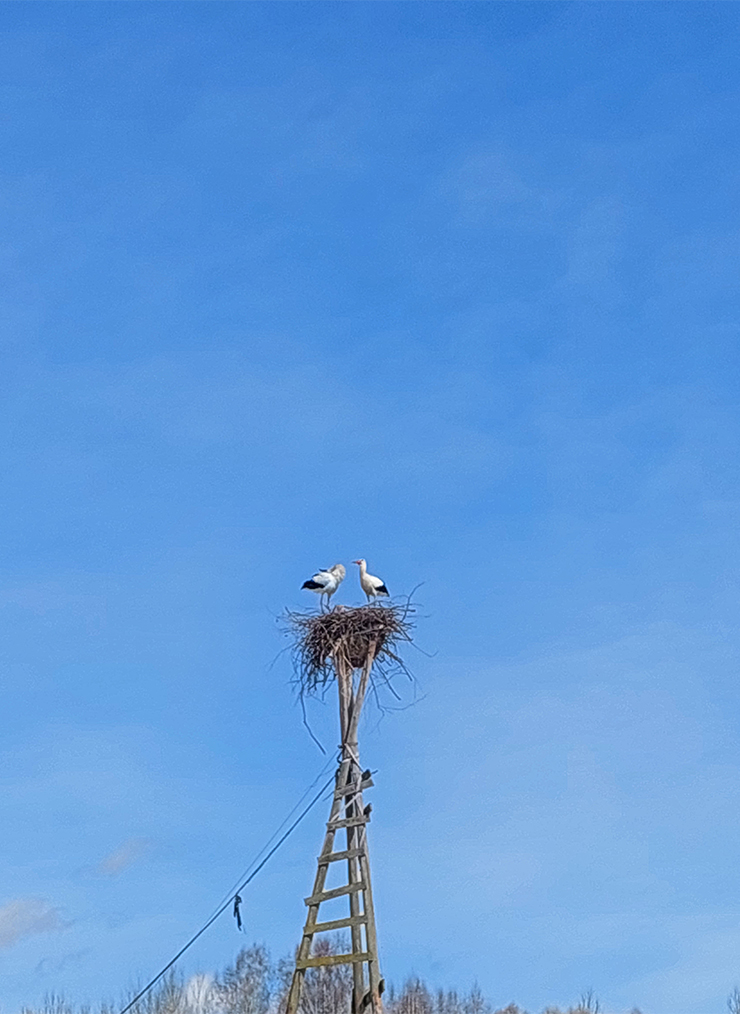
[[165, 998], [327, 989], [447, 1002], [246, 987], [589, 1003], [53, 1004], [199, 996], [414, 998], [254, 984], [733, 1001]]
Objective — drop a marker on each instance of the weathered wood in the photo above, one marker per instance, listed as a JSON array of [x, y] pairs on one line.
[[348, 822], [372, 942], [348, 790], [332, 959], [352, 813], [355, 832], [347, 797], [344, 685], [334, 857], [335, 924], [336, 892], [344, 774], [358, 698]]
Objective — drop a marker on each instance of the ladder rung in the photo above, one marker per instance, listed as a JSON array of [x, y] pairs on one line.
[[337, 892], [333, 857], [348, 790], [331, 959], [334, 924], [347, 822]]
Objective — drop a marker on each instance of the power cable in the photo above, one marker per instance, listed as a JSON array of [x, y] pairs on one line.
[[234, 889], [231, 898]]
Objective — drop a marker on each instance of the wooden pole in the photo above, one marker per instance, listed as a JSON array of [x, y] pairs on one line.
[[366, 990], [356, 833]]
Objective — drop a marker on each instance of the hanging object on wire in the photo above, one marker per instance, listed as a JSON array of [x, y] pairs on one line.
[[237, 913]]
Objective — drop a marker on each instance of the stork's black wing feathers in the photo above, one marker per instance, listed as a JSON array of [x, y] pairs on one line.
[[313, 585], [382, 590]]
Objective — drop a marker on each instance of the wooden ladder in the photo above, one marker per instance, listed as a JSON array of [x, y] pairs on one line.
[[349, 814]]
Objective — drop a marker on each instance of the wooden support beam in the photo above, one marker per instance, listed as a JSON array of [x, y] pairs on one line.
[[348, 822], [337, 892], [334, 857], [348, 790], [347, 813], [334, 924], [332, 959]]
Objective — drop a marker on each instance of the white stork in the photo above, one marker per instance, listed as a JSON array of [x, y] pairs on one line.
[[372, 586], [326, 582]]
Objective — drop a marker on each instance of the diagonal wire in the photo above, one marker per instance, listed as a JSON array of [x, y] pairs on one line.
[[231, 897], [230, 894]]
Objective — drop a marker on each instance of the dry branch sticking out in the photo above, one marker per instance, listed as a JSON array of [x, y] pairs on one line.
[[345, 635]]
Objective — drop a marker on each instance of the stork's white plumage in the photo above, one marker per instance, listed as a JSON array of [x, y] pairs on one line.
[[372, 586], [326, 582]]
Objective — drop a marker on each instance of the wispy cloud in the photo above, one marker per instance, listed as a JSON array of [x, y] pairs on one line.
[[26, 916], [123, 857]]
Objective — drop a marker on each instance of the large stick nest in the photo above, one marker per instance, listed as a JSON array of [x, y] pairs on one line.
[[345, 636]]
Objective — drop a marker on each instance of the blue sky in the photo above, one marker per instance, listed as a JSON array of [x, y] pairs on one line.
[[450, 286]]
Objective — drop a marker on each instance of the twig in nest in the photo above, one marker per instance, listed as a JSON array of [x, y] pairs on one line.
[[344, 636]]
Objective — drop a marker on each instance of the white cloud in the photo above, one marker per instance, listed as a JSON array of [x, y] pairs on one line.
[[26, 916], [123, 857]]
